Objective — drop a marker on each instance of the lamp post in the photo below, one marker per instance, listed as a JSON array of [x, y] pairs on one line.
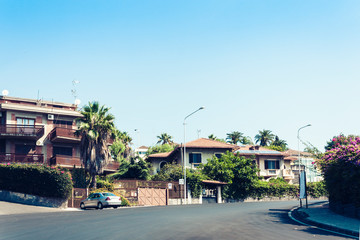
[[298, 137], [184, 155]]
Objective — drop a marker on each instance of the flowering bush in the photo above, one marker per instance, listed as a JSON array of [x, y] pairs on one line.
[[341, 168], [36, 180]]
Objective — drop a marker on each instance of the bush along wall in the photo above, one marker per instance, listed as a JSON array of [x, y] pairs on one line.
[[37, 180]]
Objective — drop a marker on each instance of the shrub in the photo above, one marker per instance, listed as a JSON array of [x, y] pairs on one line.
[[36, 180], [274, 188], [105, 185], [79, 178], [317, 189]]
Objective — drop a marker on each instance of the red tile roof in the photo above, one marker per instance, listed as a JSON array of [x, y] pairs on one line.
[[208, 143], [160, 155], [214, 182]]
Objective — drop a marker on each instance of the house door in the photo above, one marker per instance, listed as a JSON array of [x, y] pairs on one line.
[[152, 196]]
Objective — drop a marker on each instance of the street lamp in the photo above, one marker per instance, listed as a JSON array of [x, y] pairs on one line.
[[298, 137], [184, 155]]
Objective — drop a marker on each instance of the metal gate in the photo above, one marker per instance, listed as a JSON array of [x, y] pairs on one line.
[[152, 196]]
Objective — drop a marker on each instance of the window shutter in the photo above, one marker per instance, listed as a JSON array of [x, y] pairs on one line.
[[277, 164], [191, 158], [266, 164]]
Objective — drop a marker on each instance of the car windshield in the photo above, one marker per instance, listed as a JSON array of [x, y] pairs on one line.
[[106, 194]]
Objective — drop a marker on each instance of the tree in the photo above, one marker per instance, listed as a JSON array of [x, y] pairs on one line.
[[160, 149], [136, 168], [95, 130], [120, 149], [213, 137], [234, 137], [265, 137], [169, 172], [164, 138], [239, 172], [246, 141], [281, 144]]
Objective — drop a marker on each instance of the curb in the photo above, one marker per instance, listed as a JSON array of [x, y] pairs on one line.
[[300, 218]]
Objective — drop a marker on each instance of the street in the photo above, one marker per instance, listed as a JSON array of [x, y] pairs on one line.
[[259, 220]]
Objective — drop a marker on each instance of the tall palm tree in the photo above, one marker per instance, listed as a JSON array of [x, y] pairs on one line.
[[280, 143], [95, 129], [234, 137], [265, 137], [120, 149], [212, 137], [165, 138]]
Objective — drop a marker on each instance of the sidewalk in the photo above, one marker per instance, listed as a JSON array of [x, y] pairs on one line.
[[7, 208], [321, 216]]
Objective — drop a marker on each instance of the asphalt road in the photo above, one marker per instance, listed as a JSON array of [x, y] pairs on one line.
[[260, 220]]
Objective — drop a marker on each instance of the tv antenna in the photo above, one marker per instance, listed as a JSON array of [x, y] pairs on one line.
[[74, 91]]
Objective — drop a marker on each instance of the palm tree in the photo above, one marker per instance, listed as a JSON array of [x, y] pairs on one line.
[[280, 143], [95, 129], [120, 149], [246, 140], [212, 137], [165, 138], [265, 137], [234, 137]]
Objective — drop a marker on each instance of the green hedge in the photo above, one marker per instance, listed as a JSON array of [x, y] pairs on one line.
[[279, 188], [36, 180]]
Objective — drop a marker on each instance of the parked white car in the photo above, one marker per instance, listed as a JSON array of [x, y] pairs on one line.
[[101, 200]]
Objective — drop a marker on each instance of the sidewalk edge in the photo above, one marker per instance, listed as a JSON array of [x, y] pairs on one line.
[[293, 214]]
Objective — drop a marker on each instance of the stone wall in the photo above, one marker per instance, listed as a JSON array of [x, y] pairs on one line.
[[32, 199]]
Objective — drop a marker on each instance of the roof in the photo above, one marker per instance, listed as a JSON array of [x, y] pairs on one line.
[[214, 182], [143, 147], [257, 150], [160, 155], [208, 143], [292, 152]]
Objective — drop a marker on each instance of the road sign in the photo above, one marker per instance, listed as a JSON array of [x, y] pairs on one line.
[[181, 181], [169, 185]]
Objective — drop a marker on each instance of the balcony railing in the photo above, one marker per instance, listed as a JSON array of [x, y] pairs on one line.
[[60, 134], [288, 174], [65, 161], [21, 158], [69, 161], [13, 130]]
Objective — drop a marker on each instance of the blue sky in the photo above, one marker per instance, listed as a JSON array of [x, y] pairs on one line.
[[254, 65]]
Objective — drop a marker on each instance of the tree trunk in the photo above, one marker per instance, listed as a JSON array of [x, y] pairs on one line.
[[93, 182]]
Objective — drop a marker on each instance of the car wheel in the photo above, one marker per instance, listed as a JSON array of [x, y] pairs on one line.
[[99, 206], [82, 206], [115, 207]]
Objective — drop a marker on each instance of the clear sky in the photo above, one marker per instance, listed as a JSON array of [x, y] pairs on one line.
[[253, 64]]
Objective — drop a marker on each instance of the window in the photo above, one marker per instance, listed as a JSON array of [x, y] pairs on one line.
[[24, 149], [218, 155], [162, 164], [67, 151], [25, 121], [272, 164], [63, 123], [194, 157]]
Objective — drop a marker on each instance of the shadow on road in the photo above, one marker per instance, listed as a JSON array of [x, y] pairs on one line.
[[281, 216]]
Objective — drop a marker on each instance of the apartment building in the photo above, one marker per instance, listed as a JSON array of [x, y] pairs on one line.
[[37, 131]]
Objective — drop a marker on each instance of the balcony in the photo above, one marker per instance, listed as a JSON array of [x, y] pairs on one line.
[[270, 172], [65, 161], [64, 135], [21, 158], [70, 162], [21, 131], [288, 174]]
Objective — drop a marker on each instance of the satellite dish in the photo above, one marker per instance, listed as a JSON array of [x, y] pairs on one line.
[[77, 101], [5, 92]]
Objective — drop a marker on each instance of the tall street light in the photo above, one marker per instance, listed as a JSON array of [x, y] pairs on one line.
[[298, 137], [184, 155]]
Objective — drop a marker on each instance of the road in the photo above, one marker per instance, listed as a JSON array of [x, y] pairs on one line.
[[260, 220]]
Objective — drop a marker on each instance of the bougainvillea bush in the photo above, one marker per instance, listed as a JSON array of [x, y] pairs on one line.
[[341, 168], [36, 180]]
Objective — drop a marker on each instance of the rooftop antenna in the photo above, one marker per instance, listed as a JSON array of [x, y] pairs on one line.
[[74, 92]]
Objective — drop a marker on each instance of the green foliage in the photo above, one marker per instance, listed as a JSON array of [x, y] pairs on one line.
[[135, 169], [239, 172], [102, 184], [265, 137], [36, 180], [276, 148], [120, 149], [164, 138], [160, 149], [194, 179], [80, 178], [280, 144], [234, 137], [169, 172], [317, 189]]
